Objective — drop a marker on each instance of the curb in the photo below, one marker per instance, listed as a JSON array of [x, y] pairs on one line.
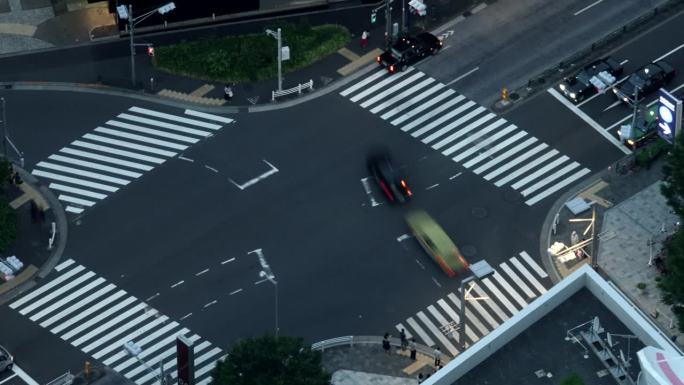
[[60, 242]]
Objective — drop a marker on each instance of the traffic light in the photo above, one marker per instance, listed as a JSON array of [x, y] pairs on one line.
[[150, 50], [374, 17]]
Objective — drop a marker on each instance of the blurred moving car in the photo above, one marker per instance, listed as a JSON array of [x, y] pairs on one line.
[[408, 50], [6, 360], [436, 242], [593, 78], [645, 80], [388, 176]]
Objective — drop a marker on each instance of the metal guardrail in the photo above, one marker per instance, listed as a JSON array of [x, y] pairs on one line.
[[300, 87], [322, 345], [65, 379]]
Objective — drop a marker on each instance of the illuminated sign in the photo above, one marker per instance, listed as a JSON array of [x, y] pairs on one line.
[[669, 116]]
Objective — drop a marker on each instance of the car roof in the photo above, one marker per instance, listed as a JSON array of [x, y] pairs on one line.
[[419, 219]]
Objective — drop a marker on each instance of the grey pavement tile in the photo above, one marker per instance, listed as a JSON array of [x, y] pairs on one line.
[[15, 43], [4, 6], [31, 17], [34, 4]]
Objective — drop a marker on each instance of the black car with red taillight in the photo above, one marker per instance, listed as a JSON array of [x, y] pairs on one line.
[[408, 50], [389, 177]]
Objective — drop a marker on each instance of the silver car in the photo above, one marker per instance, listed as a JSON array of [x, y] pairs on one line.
[[6, 360]]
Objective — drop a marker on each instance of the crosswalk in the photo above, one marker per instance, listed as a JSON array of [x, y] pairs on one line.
[[113, 155], [96, 317], [468, 133], [489, 303]]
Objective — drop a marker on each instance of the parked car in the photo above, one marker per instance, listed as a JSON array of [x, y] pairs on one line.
[[434, 240], [388, 176], [644, 81], [6, 360], [408, 50], [595, 77]]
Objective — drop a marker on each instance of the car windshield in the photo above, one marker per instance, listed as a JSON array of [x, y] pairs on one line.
[[396, 53], [583, 77], [636, 81]]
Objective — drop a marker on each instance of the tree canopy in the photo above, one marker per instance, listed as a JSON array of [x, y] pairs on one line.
[[269, 360], [673, 183]]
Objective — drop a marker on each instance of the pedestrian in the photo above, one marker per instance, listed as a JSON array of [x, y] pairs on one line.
[[227, 93], [364, 39], [438, 357], [420, 378], [674, 338], [386, 343], [413, 349], [404, 341]]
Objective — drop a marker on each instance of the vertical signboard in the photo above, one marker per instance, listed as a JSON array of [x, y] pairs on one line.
[[185, 361], [669, 116]]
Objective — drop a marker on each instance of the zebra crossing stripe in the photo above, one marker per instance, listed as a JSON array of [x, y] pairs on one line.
[[514, 294], [557, 187], [72, 209], [164, 355], [540, 272], [392, 90], [169, 126], [96, 319], [151, 131], [436, 332], [142, 343], [415, 99], [534, 163], [507, 304], [96, 307], [115, 151], [440, 336], [104, 327], [77, 181], [30, 296], [484, 155], [521, 284], [401, 95], [454, 124], [107, 159], [530, 278], [66, 299], [74, 190], [77, 305], [418, 109], [539, 172], [399, 327], [421, 333], [123, 143], [130, 337], [516, 161], [505, 155], [55, 293], [87, 174], [435, 112], [204, 115], [487, 140], [481, 132], [469, 316], [175, 118], [362, 83], [107, 337], [454, 316], [479, 291], [95, 166], [549, 179], [78, 201], [141, 138], [484, 313], [146, 352], [379, 85], [64, 264], [206, 369]]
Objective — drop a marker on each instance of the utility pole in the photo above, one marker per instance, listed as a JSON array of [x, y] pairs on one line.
[[403, 16], [279, 37], [4, 130], [131, 27], [388, 22]]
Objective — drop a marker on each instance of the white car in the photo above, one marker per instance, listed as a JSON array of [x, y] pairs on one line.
[[6, 360]]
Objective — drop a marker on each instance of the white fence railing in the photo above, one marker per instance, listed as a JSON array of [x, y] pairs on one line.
[[298, 89]]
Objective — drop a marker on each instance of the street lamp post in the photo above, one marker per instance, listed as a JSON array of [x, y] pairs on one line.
[[126, 13], [279, 37], [4, 129], [480, 270]]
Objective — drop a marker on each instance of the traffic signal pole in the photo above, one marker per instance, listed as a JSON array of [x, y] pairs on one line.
[[388, 22]]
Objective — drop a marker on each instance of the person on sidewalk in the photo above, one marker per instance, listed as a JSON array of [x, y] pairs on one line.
[[413, 349], [420, 378], [228, 93], [386, 343], [404, 341], [438, 357], [364, 39]]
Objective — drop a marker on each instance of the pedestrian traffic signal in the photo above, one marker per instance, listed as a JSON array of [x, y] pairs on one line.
[[374, 17], [150, 51]]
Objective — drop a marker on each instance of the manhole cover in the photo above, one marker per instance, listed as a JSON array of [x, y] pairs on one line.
[[479, 212], [468, 250]]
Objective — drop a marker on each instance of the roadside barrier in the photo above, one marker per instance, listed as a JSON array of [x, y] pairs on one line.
[[298, 89]]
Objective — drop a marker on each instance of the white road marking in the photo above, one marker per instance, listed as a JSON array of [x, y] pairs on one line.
[[470, 317], [527, 167], [24, 376], [157, 114], [515, 161], [526, 289], [403, 237], [549, 179], [486, 141], [420, 264], [125, 153], [479, 133], [181, 157], [462, 108], [502, 298], [150, 298], [401, 95], [123, 143], [228, 260], [416, 110], [463, 76], [217, 118], [380, 85], [55, 293], [143, 342], [210, 304], [669, 53], [88, 311], [107, 159], [367, 189], [141, 138], [201, 272], [539, 172], [505, 155], [510, 290], [169, 126], [235, 291], [496, 148], [401, 327], [151, 131], [537, 285], [210, 168], [9, 378], [582, 115], [64, 264], [95, 166], [481, 293], [435, 112], [533, 264], [92, 321], [419, 330], [107, 337], [72, 209], [30, 296], [88, 174], [177, 283], [648, 105], [431, 187], [253, 181], [438, 333], [413, 100], [587, 7], [391, 90], [557, 186], [77, 181], [455, 176], [66, 299], [436, 282], [363, 83]]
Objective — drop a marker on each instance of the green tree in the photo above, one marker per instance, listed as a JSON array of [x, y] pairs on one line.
[[269, 360], [8, 225], [672, 283], [673, 183], [573, 379]]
